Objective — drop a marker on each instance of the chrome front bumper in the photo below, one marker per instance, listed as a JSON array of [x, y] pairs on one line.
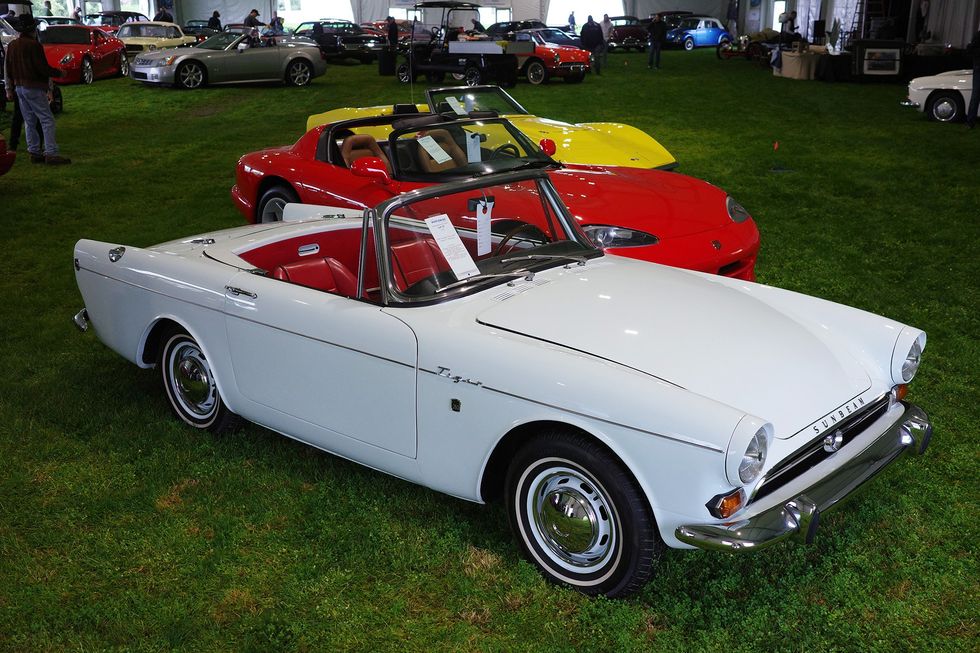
[[909, 103], [794, 510]]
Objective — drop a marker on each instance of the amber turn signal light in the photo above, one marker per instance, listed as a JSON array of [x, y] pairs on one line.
[[901, 391], [726, 505]]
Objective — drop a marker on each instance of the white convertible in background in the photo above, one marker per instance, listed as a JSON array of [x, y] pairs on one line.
[[942, 97], [470, 338]]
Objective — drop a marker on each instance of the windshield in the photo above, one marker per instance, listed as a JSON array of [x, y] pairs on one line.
[[219, 41], [146, 31], [447, 151], [555, 36], [65, 35], [461, 241], [479, 99], [689, 24]]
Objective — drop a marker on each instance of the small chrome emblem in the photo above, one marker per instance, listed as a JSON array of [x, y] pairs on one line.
[[716, 244], [833, 441]]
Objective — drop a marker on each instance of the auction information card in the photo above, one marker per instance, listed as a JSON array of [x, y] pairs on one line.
[[451, 246]]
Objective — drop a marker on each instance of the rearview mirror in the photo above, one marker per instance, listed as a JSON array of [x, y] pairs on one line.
[[548, 146], [371, 167]]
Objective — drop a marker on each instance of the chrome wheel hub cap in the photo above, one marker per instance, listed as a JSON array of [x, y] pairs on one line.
[[192, 76], [572, 519], [193, 384], [944, 110], [300, 75], [273, 210]]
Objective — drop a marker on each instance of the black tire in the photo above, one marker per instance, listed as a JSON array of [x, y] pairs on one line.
[[688, 44], [57, 103], [945, 106], [472, 76], [269, 208], [190, 385], [536, 72], [722, 49], [404, 74], [580, 516], [88, 73], [191, 75], [299, 73]]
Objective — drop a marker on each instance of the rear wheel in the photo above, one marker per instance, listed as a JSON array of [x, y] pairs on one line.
[[536, 72], [299, 73], [190, 385], [945, 106], [273, 201], [580, 516], [472, 76], [404, 74], [190, 75]]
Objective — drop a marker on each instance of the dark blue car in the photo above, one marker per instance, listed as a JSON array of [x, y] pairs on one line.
[[697, 32]]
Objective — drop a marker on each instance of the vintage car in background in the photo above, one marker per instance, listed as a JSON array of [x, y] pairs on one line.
[[601, 143], [228, 57], [698, 32], [55, 20], [109, 21], [199, 29], [141, 37], [627, 32], [551, 59], [942, 97], [343, 39], [673, 18], [7, 157], [507, 29], [470, 338], [646, 214], [84, 53]]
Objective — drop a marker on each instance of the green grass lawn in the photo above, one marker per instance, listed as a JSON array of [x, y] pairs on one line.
[[122, 529]]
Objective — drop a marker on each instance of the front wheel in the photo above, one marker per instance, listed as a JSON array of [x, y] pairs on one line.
[[190, 75], [579, 515], [190, 385], [945, 106], [123, 65], [404, 73], [299, 73], [536, 73], [273, 201], [688, 44], [472, 76], [88, 73]]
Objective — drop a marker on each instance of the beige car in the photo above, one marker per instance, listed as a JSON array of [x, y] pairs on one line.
[[149, 36]]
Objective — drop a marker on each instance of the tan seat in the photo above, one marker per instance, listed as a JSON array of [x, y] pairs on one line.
[[358, 146], [446, 142]]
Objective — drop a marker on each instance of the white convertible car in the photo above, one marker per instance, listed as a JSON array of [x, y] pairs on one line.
[[470, 338], [942, 97]]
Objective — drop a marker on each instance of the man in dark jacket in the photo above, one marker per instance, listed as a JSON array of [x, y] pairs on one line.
[[214, 22], [593, 42], [29, 76], [164, 16], [974, 49], [658, 34], [392, 32], [252, 20]]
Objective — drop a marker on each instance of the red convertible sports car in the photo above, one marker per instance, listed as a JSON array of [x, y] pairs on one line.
[[83, 53], [658, 216]]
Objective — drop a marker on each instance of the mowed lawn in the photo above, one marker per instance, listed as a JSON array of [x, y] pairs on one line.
[[123, 529]]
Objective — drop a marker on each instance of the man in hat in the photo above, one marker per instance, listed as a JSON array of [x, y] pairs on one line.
[[29, 76], [252, 20]]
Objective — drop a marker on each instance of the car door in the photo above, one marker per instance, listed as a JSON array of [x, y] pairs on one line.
[[103, 54], [255, 62], [340, 364], [712, 32]]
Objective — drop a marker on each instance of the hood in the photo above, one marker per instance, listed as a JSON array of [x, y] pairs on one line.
[[951, 77], [581, 143], [149, 40], [150, 55], [632, 197], [54, 53], [711, 338]]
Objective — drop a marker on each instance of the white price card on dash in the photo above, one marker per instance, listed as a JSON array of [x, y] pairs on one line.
[[451, 246], [483, 211], [437, 153], [456, 105]]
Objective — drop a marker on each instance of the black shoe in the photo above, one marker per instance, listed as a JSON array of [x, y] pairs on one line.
[[37, 158], [56, 160], [970, 125]]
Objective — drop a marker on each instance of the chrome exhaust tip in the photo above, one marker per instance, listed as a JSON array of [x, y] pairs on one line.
[[81, 320]]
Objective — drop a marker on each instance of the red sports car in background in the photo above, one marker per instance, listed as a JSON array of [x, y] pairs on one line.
[[658, 216], [550, 58], [84, 53]]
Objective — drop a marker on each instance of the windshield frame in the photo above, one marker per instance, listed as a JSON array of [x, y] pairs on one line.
[[218, 36], [486, 89], [376, 220]]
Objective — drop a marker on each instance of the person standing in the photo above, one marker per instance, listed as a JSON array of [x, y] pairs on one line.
[[252, 20], [214, 22], [607, 32], [593, 42], [571, 22], [29, 77], [163, 15], [392, 32], [971, 113], [478, 26], [657, 30]]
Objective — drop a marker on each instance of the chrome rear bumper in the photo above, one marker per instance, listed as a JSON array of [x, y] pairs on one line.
[[794, 510], [81, 320]]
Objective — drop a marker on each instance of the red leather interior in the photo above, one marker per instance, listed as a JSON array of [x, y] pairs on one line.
[[325, 274], [414, 260]]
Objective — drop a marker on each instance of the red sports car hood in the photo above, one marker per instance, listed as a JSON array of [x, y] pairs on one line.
[[632, 197], [54, 53]]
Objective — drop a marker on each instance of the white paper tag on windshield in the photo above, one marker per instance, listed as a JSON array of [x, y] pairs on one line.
[[473, 148], [437, 153], [451, 246], [456, 105], [470, 102], [483, 235]]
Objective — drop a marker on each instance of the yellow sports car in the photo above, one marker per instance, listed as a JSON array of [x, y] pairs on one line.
[[597, 143]]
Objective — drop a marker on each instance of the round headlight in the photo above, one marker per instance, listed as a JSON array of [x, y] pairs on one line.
[[911, 364], [907, 354], [736, 211], [754, 457], [608, 236]]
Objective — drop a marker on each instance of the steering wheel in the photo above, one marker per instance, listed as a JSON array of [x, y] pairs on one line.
[[507, 148], [523, 227]]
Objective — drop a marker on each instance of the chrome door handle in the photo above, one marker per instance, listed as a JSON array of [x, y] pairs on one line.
[[238, 292]]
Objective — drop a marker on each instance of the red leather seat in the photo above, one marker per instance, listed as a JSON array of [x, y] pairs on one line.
[[326, 274], [414, 260]]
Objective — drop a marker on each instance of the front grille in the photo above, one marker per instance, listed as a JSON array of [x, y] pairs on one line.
[[130, 47], [813, 453], [572, 65], [732, 269]]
